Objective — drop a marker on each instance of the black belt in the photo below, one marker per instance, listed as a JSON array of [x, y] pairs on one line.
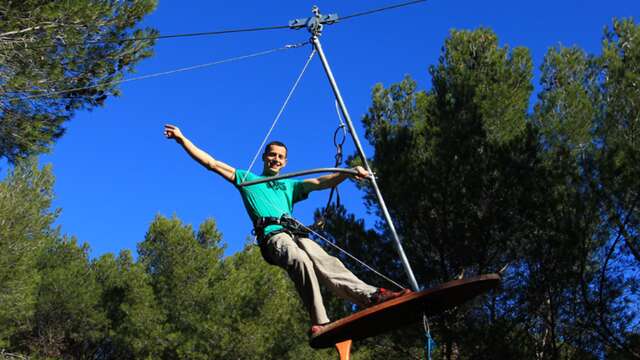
[[289, 224]]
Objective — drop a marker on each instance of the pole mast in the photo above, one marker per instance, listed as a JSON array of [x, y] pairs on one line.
[[315, 24]]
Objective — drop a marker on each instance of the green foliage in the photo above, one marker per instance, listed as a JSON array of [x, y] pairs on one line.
[[68, 319], [49, 52], [478, 83], [182, 271], [621, 63], [457, 166], [259, 312], [586, 113], [135, 318], [474, 182], [453, 174], [566, 108], [25, 227], [236, 308], [618, 160]]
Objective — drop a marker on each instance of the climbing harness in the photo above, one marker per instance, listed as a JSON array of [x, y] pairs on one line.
[[288, 224]]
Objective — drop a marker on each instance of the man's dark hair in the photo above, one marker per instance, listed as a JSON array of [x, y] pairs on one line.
[[276, 143]]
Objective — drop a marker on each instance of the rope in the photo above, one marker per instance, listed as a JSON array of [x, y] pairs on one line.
[[171, 36], [369, 12], [342, 126], [429, 344], [320, 222], [273, 125], [189, 68]]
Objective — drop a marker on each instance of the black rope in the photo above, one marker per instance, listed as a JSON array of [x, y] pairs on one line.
[[338, 158], [171, 36], [209, 33], [369, 12]]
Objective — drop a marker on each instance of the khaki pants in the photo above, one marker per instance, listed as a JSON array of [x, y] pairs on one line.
[[308, 265]]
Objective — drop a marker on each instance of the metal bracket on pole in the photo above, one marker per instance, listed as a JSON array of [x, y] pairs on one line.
[[314, 25]]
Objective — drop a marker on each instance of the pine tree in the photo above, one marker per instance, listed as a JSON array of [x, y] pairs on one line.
[[183, 266], [59, 57], [25, 228], [135, 318], [68, 321]]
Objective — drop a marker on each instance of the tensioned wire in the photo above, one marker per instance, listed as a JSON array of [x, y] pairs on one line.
[[164, 73], [275, 121], [349, 255], [231, 31], [385, 8]]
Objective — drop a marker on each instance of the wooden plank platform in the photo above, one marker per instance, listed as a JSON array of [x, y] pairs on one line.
[[403, 311]]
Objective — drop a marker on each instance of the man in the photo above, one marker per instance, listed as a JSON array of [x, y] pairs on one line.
[[280, 242]]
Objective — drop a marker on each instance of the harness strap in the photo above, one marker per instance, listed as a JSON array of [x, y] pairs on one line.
[[289, 224]]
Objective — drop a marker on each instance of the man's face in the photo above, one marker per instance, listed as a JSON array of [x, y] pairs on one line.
[[274, 160]]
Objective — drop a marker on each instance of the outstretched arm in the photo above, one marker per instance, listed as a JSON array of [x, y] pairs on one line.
[[331, 180], [206, 160]]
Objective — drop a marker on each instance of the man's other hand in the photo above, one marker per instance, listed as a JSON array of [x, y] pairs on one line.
[[362, 173]]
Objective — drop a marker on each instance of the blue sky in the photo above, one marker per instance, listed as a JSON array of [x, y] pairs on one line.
[[115, 171]]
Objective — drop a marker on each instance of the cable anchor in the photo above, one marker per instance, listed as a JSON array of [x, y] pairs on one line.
[[315, 23]]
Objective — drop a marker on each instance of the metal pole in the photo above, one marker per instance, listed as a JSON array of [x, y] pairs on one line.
[[407, 268]]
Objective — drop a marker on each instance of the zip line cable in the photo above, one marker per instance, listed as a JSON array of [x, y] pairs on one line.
[[206, 33], [219, 32], [369, 12], [160, 37], [273, 125], [189, 68]]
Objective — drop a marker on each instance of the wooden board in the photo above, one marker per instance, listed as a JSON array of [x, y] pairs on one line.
[[403, 310]]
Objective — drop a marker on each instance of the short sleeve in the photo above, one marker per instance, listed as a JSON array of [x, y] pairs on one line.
[[240, 176], [299, 191]]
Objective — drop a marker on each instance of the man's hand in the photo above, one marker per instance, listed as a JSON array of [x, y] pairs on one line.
[[362, 173], [172, 132]]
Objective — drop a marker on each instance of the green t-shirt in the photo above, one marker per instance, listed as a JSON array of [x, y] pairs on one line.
[[269, 199]]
